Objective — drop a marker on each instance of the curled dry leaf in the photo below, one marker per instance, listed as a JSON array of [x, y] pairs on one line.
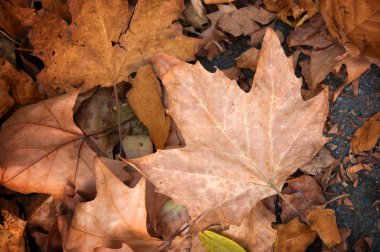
[[250, 141], [321, 161], [89, 52], [323, 221], [117, 215], [365, 138], [300, 10], [356, 24], [145, 98], [249, 59], [294, 236], [43, 150], [243, 21], [255, 232], [217, 1]]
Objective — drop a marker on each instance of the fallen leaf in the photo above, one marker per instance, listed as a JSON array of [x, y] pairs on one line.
[[43, 150], [321, 161], [354, 169], [365, 138], [116, 215], [249, 59], [244, 20], [137, 146], [323, 221], [215, 242], [294, 236], [22, 88], [6, 101], [300, 10], [217, 1], [171, 220], [145, 98], [15, 17], [343, 246], [195, 14], [75, 58], [98, 113], [355, 24], [124, 248], [11, 233], [302, 192], [255, 232], [260, 134]]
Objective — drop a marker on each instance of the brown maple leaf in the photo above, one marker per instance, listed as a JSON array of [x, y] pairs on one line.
[[116, 215], [94, 51], [240, 147], [42, 149]]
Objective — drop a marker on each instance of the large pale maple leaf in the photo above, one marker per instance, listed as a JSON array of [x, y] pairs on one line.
[[240, 147], [106, 41]]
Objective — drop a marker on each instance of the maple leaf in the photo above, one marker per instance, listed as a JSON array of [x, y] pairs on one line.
[[43, 150], [89, 52], [116, 215], [240, 147]]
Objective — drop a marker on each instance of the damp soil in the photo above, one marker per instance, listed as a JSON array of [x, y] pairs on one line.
[[348, 112]]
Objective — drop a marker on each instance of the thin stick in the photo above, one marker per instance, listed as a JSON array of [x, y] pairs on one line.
[[118, 119], [9, 37], [336, 198]]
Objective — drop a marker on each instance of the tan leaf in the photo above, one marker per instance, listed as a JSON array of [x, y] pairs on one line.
[[294, 236], [302, 192], [341, 247], [43, 150], [355, 24], [323, 221], [249, 59], [116, 215], [84, 54], [321, 161], [21, 85], [365, 138], [243, 21], [145, 99], [255, 232], [240, 147]]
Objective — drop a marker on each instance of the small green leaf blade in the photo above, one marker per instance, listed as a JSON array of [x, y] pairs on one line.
[[217, 243]]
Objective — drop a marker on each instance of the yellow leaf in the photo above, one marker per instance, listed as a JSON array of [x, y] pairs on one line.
[[217, 243]]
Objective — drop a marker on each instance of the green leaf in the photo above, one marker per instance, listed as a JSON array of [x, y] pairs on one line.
[[217, 243]]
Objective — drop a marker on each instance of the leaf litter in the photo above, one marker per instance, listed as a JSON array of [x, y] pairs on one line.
[[215, 156]]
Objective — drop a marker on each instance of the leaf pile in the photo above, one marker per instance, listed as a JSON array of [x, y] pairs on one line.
[[114, 138]]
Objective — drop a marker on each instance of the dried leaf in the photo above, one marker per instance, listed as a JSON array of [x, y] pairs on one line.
[[6, 101], [195, 14], [365, 138], [251, 141], [75, 58], [21, 85], [300, 10], [171, 219], [323, 221], [43, 150], [217, 1], [255, 232], [243, 21], [302, 192], [321, 161], [249, 59], [217, 243], [294, 236], [116, 215], [355, 24], [137, 146], [145, 99]]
